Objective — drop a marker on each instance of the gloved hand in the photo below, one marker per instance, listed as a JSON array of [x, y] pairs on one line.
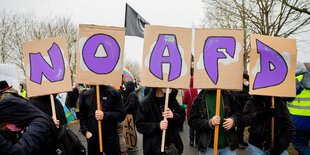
[[276, 151], [267, 113]]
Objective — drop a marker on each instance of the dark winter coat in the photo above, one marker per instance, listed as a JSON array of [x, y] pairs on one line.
[[260, 130], [44, 104], [149, 117], [37, 139], [131, 101], [112, 107], [72, 98], [242, 96], [199, 120]]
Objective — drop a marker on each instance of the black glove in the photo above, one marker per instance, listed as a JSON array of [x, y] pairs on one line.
[[267, 113], [276, 151]]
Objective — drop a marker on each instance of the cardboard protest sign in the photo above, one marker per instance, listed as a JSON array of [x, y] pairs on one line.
[[272, 66], [100, 55], [218, 59], [166, 57], [9, 73], [47, 66], [130, 133]]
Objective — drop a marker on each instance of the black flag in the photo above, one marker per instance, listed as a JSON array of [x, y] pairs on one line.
[[134, 22]]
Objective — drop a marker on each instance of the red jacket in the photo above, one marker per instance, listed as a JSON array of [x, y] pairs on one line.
[[189, 97]]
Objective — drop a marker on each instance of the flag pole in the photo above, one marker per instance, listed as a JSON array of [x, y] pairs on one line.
[[272, 123], [216, 131], [164, 131], [99, 122], [53, 107]]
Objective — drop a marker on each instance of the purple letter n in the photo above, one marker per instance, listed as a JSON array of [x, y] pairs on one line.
[[39, 66], [273, 68], [166, 51]]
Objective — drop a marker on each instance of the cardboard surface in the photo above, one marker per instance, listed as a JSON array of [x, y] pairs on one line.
[[272, 66], [166, 57], [9, 73], [130, 133], [100, 55], [47, 67], [218, 59]]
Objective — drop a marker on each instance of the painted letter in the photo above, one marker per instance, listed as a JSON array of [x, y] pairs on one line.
[[39, 66], [212, 52], [104, 64], [166, 51], [273, 68]]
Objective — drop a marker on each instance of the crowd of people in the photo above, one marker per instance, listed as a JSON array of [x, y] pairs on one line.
[[20, 133]]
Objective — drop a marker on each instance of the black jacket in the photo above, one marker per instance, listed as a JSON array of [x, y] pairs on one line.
[[37, 139], [260, 130], [131, 99], [112, 107], [44, 104], [199, 120], [148, 119], [72, 98], [241, 96]]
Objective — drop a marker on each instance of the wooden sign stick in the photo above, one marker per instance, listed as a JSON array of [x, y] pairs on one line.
[[272, 123], [217, 113], [99, 122], [164, 132], [53, 106]]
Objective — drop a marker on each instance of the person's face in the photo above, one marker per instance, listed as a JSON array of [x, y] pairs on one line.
[[245, 82]]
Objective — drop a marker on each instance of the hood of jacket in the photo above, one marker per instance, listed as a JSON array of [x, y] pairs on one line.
[[17, 111], [130, 87]]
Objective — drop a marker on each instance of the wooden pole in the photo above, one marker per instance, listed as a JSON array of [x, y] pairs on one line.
[[99, 122], [53, 106], [164, 132], [272, 123], [217, 113]]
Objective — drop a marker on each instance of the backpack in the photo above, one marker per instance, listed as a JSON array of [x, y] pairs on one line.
[[67, 142]]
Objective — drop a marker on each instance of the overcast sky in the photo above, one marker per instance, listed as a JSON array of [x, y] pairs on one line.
[[178, 13]]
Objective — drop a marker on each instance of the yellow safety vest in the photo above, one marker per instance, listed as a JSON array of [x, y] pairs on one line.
[[301, 104], [23, 94]]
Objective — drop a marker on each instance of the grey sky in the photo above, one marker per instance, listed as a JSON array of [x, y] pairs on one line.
[[178, 13]]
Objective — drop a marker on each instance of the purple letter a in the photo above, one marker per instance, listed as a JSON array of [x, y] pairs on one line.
[[273, 68], [166, 51], [39, 66]]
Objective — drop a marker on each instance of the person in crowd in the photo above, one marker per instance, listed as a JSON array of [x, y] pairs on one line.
[[37, 138], [131, 99], [146, 91], [111, 112], [202, 119], [122, 141], [6, 90], [188, 99], [120, 127], [300, 114], [23, 92], [150, 121], [71, 101], [44, 104], [241, 98], [257, 114]]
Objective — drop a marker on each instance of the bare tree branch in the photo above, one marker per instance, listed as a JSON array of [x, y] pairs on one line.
[[302, 10]]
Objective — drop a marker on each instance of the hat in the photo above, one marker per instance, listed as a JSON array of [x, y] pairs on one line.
[[3, 85], [246, 76]]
